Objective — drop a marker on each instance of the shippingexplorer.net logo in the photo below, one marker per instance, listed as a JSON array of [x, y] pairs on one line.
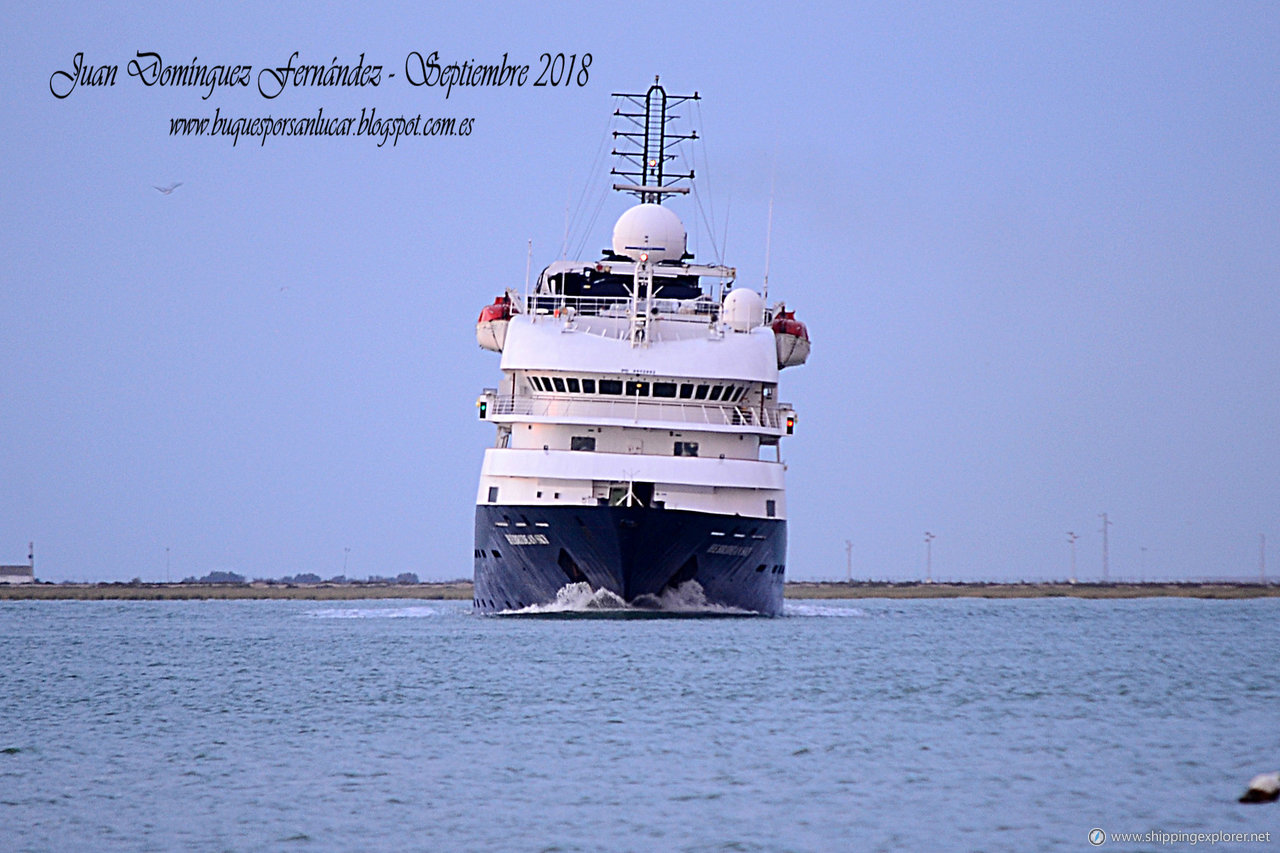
[[1098, 837]]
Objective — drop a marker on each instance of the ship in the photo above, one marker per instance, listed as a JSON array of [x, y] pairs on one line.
[[637, 458]]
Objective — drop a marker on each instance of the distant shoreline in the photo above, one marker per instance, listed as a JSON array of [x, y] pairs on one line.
[[874, 589], [461, 591]]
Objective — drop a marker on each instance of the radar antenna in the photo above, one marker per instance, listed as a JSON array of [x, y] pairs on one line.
[[645, 158]]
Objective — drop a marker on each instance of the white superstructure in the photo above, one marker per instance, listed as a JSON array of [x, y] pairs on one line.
[[599, 393]]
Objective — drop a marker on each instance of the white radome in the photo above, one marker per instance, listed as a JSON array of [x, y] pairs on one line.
[[649, 228], [743, 310]]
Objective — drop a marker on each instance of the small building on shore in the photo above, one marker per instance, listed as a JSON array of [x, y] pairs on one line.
[[17, 574], [21, 574]]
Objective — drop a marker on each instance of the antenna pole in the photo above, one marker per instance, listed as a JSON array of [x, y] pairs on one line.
[[528, 263], [1106, 569], [768, 245], [644, 157], [928, 556], [564, 241], [655, 126], [848, 561], [1071, 538]]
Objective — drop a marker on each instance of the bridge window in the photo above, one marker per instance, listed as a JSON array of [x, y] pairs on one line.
[[559, 383], [582, 442], [686, 391], [588, 386], [686, 448], [572, 382], [715, 392], [637, 389], [664, 389], [611, 386], [536, 383], [493, 494], [771, 508], [701, 393]]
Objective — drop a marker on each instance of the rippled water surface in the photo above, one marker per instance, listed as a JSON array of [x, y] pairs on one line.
[[265, 725]]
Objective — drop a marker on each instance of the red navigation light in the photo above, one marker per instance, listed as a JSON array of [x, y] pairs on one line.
[[791, 424]]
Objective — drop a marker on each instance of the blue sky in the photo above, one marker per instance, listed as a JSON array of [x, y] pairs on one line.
[[1036, 248]]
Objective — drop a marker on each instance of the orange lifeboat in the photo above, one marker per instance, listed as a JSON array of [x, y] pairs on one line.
[[491, 328], [792, 339]]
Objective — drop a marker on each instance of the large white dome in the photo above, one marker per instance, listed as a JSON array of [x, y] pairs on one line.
[[743, 310], [649, 228]]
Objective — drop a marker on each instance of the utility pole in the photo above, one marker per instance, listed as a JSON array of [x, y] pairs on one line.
[[1106, 569], [848, 561], [1071, 538], [345, 553], [166, 564], [928, 556], [1262, 557]]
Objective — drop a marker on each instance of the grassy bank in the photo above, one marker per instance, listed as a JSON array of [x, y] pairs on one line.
[[860, 589], [461, 591], [197, 591]]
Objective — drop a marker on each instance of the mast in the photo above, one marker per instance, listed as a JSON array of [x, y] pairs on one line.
[[646, 154]]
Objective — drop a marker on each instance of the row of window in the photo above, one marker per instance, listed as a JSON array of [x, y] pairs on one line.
[[638, 388], [588, 443]]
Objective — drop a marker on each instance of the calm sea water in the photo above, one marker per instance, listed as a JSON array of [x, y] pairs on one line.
[[876, 725]]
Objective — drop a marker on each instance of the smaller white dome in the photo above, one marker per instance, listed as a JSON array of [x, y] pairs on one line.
[[743, 310], [649, 228]]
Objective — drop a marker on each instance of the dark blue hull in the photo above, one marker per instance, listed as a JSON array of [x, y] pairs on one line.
[[525, 554]]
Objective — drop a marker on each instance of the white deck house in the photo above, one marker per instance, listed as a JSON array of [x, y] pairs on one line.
[[20, 574], [17, 574]]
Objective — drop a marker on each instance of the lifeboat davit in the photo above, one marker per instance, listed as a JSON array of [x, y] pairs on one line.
[[792, 339], [491, 328]]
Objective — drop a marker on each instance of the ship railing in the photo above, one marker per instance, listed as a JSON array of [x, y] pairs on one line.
[[639, 409], [698, 310]]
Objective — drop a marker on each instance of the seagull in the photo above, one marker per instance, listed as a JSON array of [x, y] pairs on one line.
[[169, 189], [1263, 788]]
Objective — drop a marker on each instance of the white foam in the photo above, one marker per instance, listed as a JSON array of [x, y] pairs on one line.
[[577, 598], [829, 611], [417, 612], [688, 598]]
